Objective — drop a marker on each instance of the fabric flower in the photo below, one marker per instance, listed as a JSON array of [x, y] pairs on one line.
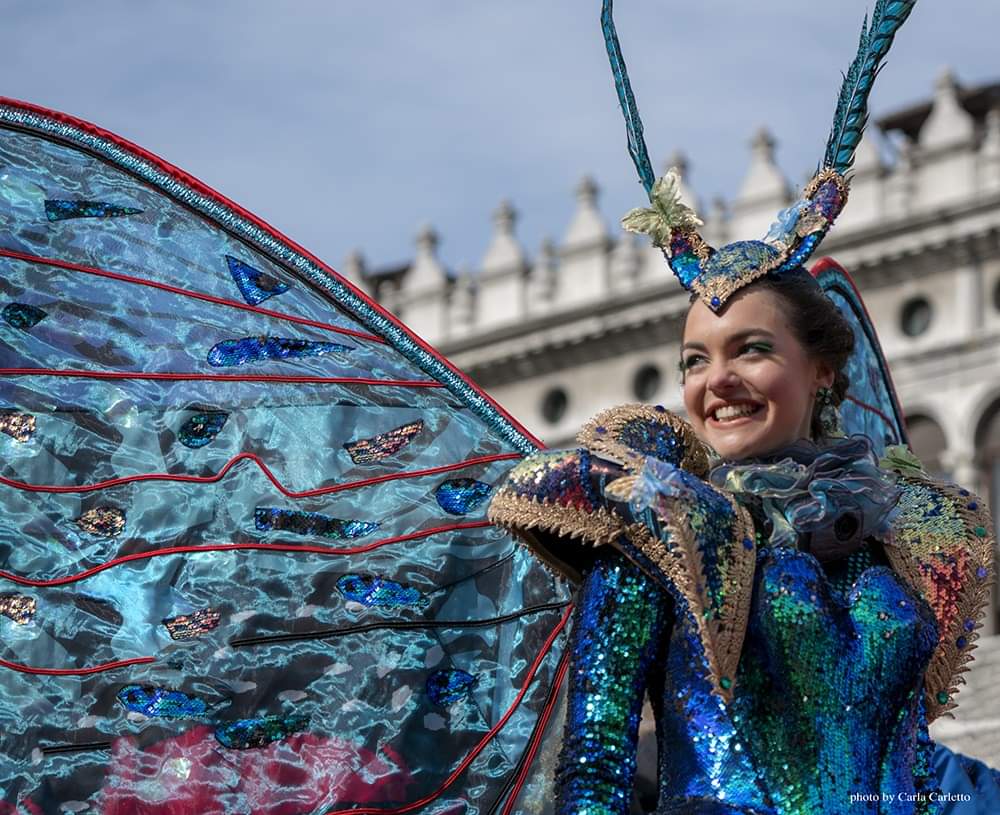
[[666, 214], [783, 229]]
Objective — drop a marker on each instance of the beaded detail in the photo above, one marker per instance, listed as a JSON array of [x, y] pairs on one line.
[[58, 210], [230, 353], [18, 607], [449, 686], [255, 286], [260, 732], [161, 703], [193, 625], [457, 496], [22, 315], [275, 519], [369, 451], [376, 592], [201, 428], [103, 522], [19, 426]]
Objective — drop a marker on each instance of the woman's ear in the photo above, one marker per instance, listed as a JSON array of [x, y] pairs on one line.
[[825, 375]]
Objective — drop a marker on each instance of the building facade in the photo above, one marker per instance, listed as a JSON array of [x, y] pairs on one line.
[[595, 319]]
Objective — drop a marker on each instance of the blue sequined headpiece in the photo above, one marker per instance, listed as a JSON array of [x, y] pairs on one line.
[[716, 274]]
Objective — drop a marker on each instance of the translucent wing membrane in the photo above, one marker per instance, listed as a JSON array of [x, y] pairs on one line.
[[871, 407], [244, 558]]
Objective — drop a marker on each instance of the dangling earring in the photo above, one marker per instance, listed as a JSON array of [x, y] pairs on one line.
[[829, 416]]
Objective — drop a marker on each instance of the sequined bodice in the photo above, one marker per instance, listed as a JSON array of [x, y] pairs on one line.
[[828, 701]]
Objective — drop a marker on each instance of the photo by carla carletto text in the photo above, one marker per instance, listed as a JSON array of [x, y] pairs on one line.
[[268, 551]]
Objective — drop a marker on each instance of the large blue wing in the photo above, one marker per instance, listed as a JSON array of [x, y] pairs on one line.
[[244, 558], [871, 407]]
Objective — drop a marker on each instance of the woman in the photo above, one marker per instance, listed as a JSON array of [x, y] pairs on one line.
[[797, 612], [825, 701]]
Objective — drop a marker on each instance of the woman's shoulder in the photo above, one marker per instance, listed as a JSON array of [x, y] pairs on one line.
[[562, 491]]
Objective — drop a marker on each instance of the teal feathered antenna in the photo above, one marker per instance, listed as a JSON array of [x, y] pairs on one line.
[[633, 124], [852, 106]]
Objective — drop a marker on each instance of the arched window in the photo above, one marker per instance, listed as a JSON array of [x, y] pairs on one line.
[[988, 455], [928, 442]]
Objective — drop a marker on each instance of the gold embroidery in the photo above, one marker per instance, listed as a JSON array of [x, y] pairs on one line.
[[942, 547], [602, 436]]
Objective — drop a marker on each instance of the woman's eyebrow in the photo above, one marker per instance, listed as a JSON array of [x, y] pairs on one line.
[[739, 335]]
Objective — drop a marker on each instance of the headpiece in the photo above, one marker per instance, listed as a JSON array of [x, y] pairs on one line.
[[716, 274]]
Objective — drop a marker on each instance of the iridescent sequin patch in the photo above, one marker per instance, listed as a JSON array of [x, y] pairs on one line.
[[161, 703], [309, 523], [56, 210], [19, 426], [376, 592], [105, 522], [201, 428], [193, 625], [230, 353], [19, 607], [260, 732], [448, 687], [457, 496], [368, 451], [22, 315], [255, 286]]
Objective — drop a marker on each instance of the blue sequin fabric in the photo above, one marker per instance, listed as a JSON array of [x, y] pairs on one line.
[[827, 708]]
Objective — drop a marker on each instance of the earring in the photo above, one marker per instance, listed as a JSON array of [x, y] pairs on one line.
[[829, 416]]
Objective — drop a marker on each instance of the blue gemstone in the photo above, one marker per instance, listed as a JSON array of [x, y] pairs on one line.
[[748, 543], [255, 286], [23, 316], [447, 687], [378, 593], [715, 302], [201, 428], [310, 523], [970, 625], [56, 210], [960, 642], [457, 496], [161, 703], [973, 505], [260, 732], [230, 353]]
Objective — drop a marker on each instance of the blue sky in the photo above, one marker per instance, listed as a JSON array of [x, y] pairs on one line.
[[349, 124]]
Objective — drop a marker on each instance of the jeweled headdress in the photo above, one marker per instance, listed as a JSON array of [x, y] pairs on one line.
[[716, 274]]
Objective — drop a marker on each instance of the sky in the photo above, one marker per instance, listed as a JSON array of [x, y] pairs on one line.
[[350, 124]]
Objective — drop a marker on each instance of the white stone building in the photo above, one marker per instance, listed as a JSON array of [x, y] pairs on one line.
[[595, 319]]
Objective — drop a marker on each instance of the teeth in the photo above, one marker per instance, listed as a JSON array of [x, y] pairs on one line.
[[733, 412]]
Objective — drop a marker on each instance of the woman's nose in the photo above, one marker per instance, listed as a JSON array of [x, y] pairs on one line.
[[722, 377]]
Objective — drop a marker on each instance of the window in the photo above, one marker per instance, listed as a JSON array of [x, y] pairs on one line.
[[554, 405], [646, 383], [916, 316]]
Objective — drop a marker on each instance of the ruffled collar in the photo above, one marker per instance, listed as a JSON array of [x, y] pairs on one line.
[[833, 490]]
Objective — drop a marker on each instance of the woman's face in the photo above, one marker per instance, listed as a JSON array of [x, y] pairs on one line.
[[749, 386]]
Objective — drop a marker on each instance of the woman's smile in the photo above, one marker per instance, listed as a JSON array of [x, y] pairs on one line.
[[749, 385]]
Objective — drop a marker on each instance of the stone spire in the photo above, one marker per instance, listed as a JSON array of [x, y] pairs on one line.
[[504, 252], [587, 227], [764, 180], [355, 270], [426, 271], [949, 124]]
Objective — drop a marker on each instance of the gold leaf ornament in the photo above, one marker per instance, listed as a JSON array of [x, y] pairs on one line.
[[666, 214]]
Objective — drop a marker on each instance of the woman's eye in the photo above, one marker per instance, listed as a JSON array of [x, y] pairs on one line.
[[757, 348], [692, 361]]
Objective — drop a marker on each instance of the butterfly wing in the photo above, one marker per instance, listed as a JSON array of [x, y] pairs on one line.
[[244, 553], [871, 407]]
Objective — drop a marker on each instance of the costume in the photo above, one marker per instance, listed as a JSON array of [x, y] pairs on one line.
[[780, 684], [244, 557]]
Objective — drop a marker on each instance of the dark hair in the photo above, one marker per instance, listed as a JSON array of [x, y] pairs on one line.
[[816, 323]]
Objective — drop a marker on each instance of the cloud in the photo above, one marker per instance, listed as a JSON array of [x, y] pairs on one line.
[[348, 124]]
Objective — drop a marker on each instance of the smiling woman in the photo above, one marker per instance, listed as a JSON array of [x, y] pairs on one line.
[[797, 603], [757, 377]]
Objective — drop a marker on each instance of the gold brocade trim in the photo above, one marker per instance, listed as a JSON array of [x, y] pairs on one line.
[[614, 420], [720, 629], [521, 514], [957, 549], [724, 287]]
